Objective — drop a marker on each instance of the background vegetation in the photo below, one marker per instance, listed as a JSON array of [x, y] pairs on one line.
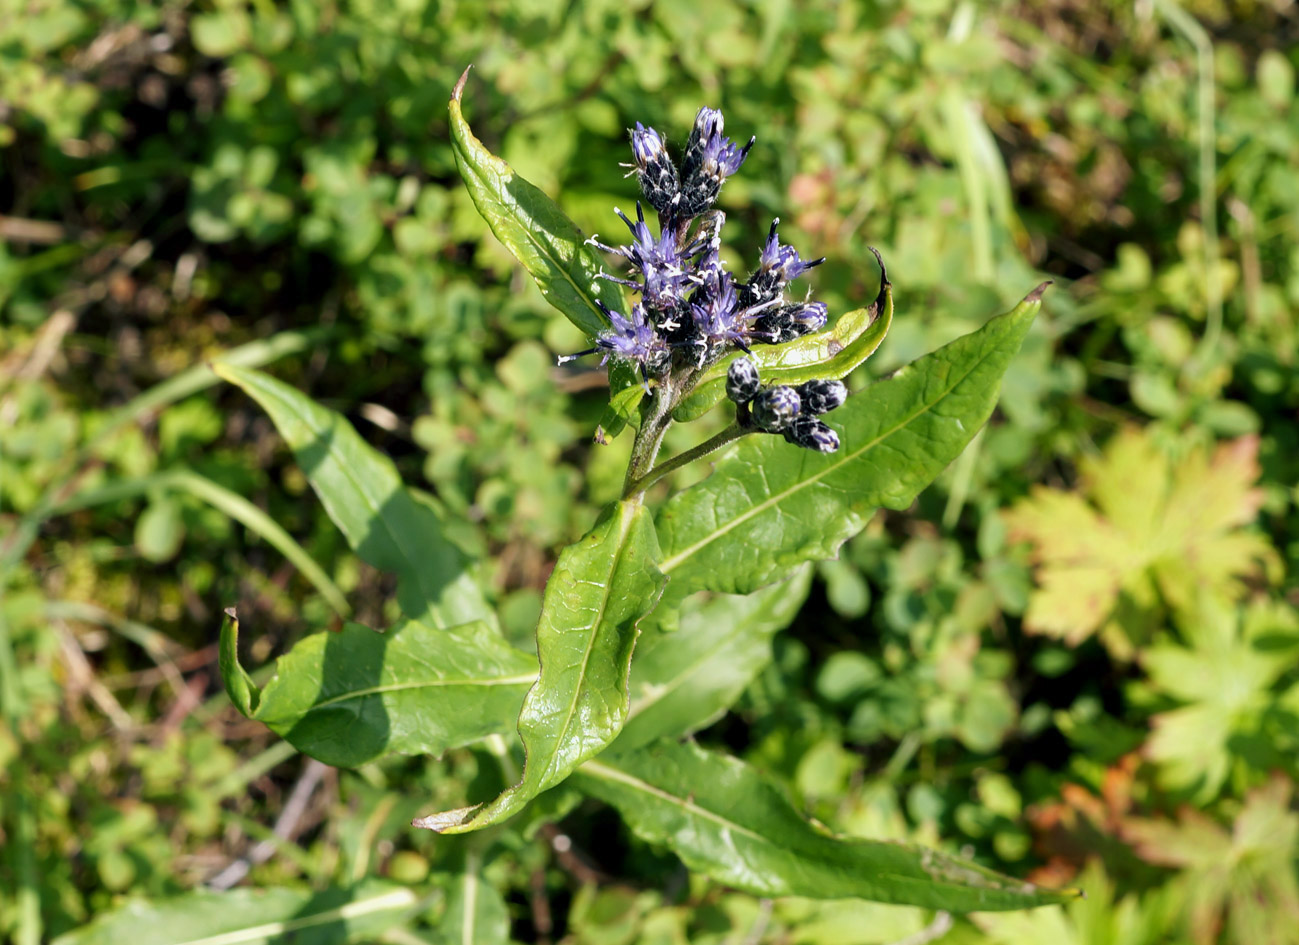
[[1075, 658]]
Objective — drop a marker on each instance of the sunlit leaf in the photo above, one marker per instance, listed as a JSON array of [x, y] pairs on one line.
[[349, 697], [729, 823], [1231, 873], [600, 589], [1141, 517], [771, 506], [254, 917], [546, 242]]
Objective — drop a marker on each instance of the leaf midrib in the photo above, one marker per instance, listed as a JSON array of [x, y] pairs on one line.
[[598, 770], [670, 563], [625, 527], [515, 680]]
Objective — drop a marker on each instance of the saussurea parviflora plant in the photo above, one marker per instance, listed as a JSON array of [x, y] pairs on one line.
[[628, 659], [690, 311]]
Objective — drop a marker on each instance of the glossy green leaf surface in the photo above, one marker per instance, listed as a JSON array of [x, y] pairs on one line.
[[254, 917], [349, 697], [361, 490], [727, 821], [771, 506], [835, 352], [532, 227], [600, 589], [684, 680]]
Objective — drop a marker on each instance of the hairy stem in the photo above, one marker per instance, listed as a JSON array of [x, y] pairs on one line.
[[656, 417], [729, 435]]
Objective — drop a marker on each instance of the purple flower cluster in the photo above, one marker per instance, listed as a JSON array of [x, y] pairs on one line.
[[691, 311]]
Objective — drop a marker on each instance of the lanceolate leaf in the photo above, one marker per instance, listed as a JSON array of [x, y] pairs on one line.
[[548, 244], [601, 587], [254, 917], [771, 506], [835, 352], [352, 696], [728, 822], [682, 681], [360, 488]]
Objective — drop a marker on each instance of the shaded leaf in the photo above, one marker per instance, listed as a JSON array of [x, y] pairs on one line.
[[349, 697], [600, 589], [383, 521], [254, 917], [683, 681], [771, 506], [547, 243], [835, 352], [728, 822]]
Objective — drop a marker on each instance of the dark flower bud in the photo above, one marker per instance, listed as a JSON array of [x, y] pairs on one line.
[[811, 434], [775, 408], [710, 158], [789, 322], [655, 170], [742, 381], [822, 396]]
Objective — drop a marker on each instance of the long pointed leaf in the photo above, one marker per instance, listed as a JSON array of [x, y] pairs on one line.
[[349, 697], [600, 589], [360, 488], [728, 822], [771, 506], [548, 244], [254, 917]]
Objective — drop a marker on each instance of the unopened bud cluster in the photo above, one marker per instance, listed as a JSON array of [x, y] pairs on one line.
[[789, 411], [690, 310]]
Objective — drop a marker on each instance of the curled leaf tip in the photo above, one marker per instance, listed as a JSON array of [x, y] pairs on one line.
[[230, 612], [884, 273], [445, 820], [1036, 294], [460, 83]]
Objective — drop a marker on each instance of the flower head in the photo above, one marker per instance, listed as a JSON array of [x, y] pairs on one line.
[[777, 267], [811, 434], [774, 408], [710, 158], [654, 168]]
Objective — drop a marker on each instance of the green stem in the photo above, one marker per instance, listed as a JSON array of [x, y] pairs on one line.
[[729, 435], [656, 417]]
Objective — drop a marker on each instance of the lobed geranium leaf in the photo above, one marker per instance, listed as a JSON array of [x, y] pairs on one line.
[[835, 352], [254, 917], [383, 521], [349, 697], [771, 506], [600, 589], [530, 225], [1142, 519], [728, 822], [684, 680]]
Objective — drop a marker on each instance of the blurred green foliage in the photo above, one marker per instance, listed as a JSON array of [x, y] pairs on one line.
[[181, 179]]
